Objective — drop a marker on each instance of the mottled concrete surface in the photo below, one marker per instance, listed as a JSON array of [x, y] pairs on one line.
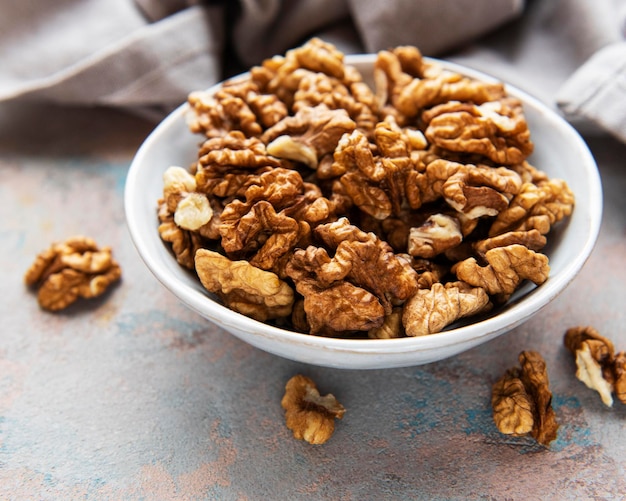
[[134, 397]]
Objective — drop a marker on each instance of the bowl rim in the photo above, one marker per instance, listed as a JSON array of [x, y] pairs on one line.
[[520, 310]]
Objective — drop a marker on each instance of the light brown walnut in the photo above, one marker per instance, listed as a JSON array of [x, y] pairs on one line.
[[367, 261], [442, 86], [598, 367], [190, 209], [535, 206], [184, 243], [216, 114], [532, 239], [506, 268], [67, 271], [282, 75], [310, 416], [409, 84], [495, 129], [391, 328], [243, 287], [356, 98], [522, 401], [333, 306], [237, 105], [431, 310]]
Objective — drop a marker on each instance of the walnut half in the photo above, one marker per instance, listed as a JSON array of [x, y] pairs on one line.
[[597, 364], [522, 401], [243, 287], [310, 416], [72, 269]]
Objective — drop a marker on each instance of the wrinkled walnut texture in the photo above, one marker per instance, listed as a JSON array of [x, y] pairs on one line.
[[67, 271], [598, 366], [522, 401], [387, 210], [310, 416]]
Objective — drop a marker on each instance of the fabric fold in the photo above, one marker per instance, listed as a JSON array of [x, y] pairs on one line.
[[149, 54], [597, 91], [156, 64]]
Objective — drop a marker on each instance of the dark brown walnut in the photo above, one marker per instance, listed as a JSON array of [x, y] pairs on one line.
[[431, 310], [67, 271], [506, 268], [366, 261], [308, 135], [496, 129], [428, 272], [619, 372], [243, 287], [335, 307], [522, 401], [258, 233], [310, 416], [598, 367]]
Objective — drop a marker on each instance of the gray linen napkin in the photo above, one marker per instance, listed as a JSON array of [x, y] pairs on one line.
[[148, 54]]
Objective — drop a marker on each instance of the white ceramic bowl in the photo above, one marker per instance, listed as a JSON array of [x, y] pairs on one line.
[[559, 151]]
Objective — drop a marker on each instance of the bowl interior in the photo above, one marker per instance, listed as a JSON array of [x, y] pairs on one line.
[[559, 151]]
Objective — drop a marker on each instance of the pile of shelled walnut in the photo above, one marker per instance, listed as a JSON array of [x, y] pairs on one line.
[[328, 206]]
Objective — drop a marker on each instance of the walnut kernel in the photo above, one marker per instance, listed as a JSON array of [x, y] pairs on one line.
[[310, 416], [70, 270], [522, 401], [597, 364]]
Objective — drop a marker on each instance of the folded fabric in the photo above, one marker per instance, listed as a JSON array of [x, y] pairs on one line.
[[89, 52], [597, 91], [149, 54]]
